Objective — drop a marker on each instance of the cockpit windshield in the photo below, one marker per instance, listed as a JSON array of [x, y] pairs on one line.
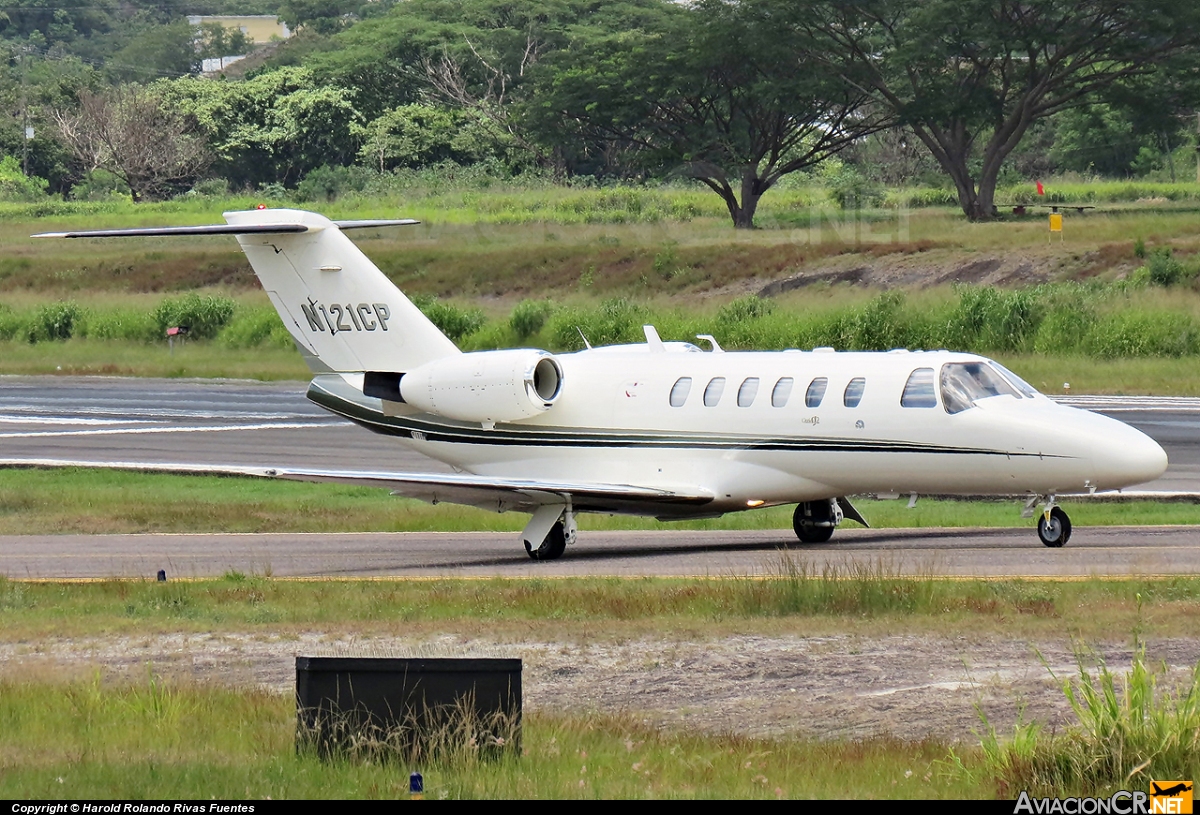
[[1027, 390], [963, 383]]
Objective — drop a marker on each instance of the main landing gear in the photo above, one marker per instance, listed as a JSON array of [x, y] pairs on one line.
[[551, 528], [1053, 526], [814, 521]]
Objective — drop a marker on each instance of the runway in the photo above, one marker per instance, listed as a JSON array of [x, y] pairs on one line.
[[272, 424], [1095, 551]]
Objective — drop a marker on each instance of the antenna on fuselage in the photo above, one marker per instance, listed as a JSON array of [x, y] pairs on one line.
[[711, 340], [585, 342]]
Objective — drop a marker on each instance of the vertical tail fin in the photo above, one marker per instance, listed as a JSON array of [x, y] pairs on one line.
[[343, 312]]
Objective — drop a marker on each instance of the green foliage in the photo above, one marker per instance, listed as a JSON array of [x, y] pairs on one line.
[[204, 315], [750, 307], [1164, 269], [327, 184], [16, 186], [254, 328], [1130, 333], [419, 135], [275, 127], [851, 190], [451, 320], [121, 324], [1126, 727], [994, 319], [614, 321], [528, 317], [56, 321], [99, 185]]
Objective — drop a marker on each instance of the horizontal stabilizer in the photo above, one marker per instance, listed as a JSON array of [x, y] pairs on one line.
[[218, 229]]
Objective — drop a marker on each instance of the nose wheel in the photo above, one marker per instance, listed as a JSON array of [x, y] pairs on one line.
[[1054, 527]]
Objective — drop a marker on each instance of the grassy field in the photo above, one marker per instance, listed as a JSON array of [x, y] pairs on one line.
[[607, 260], [797, 600], [78, 734], [166, 741]]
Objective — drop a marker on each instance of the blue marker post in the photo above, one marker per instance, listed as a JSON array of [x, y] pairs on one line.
[[416, 787]]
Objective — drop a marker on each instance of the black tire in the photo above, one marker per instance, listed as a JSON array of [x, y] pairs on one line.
[[1055, 532], [552, 547], [811, 522]]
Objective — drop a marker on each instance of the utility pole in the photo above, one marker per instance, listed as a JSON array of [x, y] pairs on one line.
[[26, 130]]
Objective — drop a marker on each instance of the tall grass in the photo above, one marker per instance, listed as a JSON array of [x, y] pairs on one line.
[[1128, 730], [103, 739]]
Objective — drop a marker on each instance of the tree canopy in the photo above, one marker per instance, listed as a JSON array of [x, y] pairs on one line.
[[970, 77], [717, 92]]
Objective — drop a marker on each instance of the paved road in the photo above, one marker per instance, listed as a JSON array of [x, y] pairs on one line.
[[99, 419]]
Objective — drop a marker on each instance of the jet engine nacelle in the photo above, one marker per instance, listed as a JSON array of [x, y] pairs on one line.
[[485, 386]]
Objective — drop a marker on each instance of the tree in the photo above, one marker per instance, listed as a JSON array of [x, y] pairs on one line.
[[274, 127], [420, 135], [970, 77], [717, 92], [129, 131]]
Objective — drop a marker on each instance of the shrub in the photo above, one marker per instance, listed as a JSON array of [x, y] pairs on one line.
[[329, 183], [451, 320], [99, 185], [1143, 334], [16, 186], [56, 321], [750, 307], [849, 189], [121, 324], [254, 327], [1163, 268], [202, 315], [615, 321], [529, 317]]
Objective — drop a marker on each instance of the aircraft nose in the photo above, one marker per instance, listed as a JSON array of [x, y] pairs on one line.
[[1127, 456]]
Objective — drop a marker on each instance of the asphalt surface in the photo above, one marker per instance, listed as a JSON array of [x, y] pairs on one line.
[[956, 552], [271, 424]]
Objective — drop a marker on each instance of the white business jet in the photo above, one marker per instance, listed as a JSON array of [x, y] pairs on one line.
[[662, 429]]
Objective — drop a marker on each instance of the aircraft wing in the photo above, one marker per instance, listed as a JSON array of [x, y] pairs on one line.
[[485, 492]]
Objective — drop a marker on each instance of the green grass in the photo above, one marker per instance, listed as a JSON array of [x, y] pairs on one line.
[[797, 599], [161, 740], [1128, 730], [35, 501]]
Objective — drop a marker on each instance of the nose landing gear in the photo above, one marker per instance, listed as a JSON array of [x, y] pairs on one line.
[[1053, 527]]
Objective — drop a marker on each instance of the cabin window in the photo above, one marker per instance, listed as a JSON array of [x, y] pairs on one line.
[[680, 390], [712, 394], [964, 383], [748, 391], [816, 392], [918, 390], [781, 392], [854, 392]]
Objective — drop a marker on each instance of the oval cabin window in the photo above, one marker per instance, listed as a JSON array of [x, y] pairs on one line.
[[680, 390], [712, 394]]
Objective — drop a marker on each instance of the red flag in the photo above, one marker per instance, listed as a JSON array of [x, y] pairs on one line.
[[1041, 189]]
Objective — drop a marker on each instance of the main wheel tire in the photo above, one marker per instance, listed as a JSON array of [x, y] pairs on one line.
[[811, 522], [1055, 532], [552, 547]]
